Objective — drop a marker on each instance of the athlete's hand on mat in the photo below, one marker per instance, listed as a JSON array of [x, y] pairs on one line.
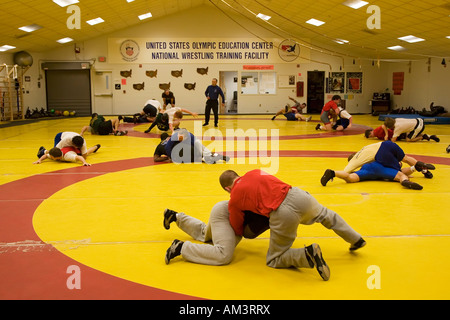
[[37, 162], [195, 115], [86, 164]]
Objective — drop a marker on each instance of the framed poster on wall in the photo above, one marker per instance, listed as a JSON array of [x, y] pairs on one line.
[[286, 81], [354, 82], [337, 82]]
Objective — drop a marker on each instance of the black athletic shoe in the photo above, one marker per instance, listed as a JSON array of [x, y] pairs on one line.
[[448, 149], [411, 185], [174, 250], [98, 147], [273, 118], [425, 137], [422, 166], [327, 176], [41, 152], [435, 138], [318, 126], [428, 174], [358, 244], [205, 124], [169, 217], [314, 256]]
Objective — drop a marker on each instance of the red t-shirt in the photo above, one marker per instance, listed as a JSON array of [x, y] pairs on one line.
[[68, 149], [379, 133], [255, 191], [330, 104]]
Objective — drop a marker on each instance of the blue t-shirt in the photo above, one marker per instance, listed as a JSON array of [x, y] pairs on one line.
[[213, 93]]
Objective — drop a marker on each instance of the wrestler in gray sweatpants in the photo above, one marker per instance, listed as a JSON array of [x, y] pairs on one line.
[[299, 207], [218, 230]]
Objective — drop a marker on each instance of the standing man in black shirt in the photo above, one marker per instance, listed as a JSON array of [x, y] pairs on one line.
[[168, 98], [212, 95]]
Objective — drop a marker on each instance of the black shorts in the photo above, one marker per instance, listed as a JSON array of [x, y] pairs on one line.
[[105, 128], [150, 110]]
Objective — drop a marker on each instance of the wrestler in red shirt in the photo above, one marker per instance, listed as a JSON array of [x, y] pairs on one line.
[[255, 191], [325, 114], [378, 133], [287, 207]]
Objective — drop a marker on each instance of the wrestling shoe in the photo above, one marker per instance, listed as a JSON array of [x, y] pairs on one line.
[[448, 149], [435, 138], [41, 152], [358, 244], [318, 126], [273, 118], [327, 176], [174, 250], [423, 166], [411, 185], [427, 174], [98, 147], [314, 256], [169, 217]]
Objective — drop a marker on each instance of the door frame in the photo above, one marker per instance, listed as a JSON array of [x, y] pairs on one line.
[[108, 93]]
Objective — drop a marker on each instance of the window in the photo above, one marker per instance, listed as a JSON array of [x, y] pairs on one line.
[[258, 83]]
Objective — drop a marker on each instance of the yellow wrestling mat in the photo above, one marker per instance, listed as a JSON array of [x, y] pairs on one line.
[[112, 222]]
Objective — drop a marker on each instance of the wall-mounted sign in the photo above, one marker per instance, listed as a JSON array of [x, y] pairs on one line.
[[289, 50], [245, 50]]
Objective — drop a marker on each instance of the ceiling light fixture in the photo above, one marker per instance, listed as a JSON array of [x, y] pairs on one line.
[[355, 4], [65, 3], [396, 48], [95, 21], [411, 39], [64, 40], [6, 48], [341, 41], [30, 28], [263, 16], [315, 22], [145, 16]]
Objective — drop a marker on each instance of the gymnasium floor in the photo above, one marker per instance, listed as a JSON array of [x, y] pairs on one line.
[[106, 219]]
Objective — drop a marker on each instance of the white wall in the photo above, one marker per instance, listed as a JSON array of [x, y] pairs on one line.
[[421, 86]]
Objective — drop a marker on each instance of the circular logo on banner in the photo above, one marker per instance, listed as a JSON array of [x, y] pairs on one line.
[[129, 50], [289, 50]]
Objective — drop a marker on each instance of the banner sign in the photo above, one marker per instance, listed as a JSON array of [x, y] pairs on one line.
[[141, 50]]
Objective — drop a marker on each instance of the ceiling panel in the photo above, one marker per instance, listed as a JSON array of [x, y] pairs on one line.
[[428, 19]]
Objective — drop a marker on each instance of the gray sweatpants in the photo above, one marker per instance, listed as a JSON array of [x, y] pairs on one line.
[[299, 207], [218, 230]]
